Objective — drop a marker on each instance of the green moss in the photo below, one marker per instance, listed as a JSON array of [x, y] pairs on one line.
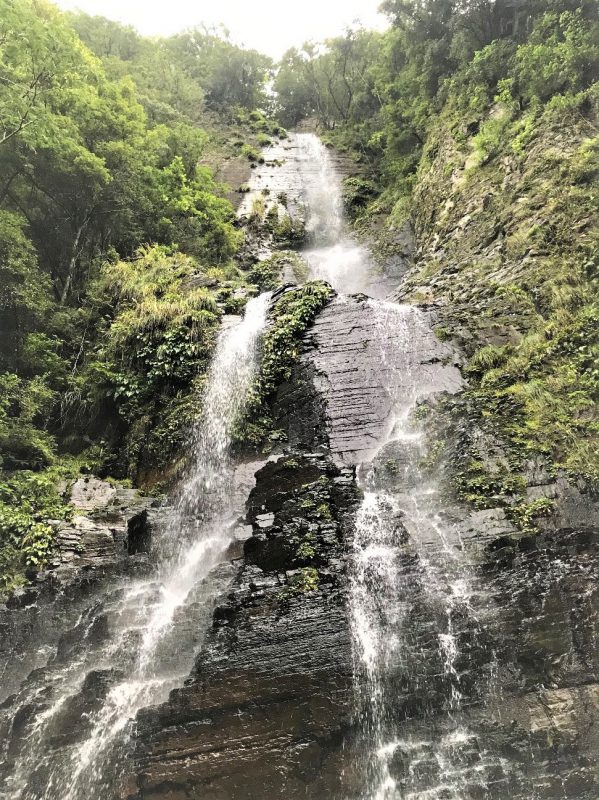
[[442, 333], [306, 580], [486, 358], [542, 392], [323, 511], [289, 232], [434, 453], [257, 212], [291, 316], [268, 274], [252, 154], [307, 548], [522, 268]]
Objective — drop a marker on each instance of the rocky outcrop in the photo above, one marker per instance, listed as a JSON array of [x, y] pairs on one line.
[[110, 525], [269, 708], [359, 357], [266, 707], [495, 688], [527, 667]]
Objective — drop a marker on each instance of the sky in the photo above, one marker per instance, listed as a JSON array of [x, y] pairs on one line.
[[270, 26]]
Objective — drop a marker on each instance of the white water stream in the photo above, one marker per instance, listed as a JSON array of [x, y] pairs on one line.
[[405, 555], [335, 256], [146, 617]]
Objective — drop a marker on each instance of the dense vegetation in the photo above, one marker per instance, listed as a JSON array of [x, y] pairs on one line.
[[117, 247], [478, 124]]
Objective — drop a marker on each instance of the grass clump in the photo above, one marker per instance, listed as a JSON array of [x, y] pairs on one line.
[[306, 580]]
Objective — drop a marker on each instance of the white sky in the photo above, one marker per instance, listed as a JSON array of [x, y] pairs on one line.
[[271, 26]]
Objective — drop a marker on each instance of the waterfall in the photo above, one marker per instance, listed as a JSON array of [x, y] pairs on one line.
[[146, 618], [333, 254], [414, 596], [413, 592]]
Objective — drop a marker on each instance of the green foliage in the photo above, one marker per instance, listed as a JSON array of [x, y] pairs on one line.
[[251, 153], [289, 232], [24, 406], [490, 108], [25, 299], [324, 511], [544, 391], [380, 95], [156, 347], [357, 193], [333, 84], [105, 138], [268, 274], [99, 154], [486, 358], [27, 501], [526, 515], [306, 549], [304, 581], [487, 485], [291, 316], [561, 55]]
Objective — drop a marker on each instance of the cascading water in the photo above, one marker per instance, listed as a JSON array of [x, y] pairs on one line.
[[333, 254], [413, 598], [146, 619], [417, 606], [413, 592]]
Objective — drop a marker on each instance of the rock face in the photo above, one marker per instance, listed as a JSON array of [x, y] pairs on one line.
[[495, 692], [364, 354], [266, 707], [269, 707], [91, 550]]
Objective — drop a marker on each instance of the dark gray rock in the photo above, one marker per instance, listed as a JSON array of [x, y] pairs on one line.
[[344, 390], [91, 551], [266, 707]]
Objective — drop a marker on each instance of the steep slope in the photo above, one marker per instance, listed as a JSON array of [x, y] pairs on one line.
[[506, 247]]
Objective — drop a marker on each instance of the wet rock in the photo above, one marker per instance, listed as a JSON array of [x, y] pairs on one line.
[[139, 534], [90, 551], [342, 382], [74, 720], [264, 711]]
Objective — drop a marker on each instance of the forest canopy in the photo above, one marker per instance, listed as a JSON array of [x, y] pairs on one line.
[[108, 203]]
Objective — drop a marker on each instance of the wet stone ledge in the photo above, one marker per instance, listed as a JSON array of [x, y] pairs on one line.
[[267, 707], [91, 551]]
